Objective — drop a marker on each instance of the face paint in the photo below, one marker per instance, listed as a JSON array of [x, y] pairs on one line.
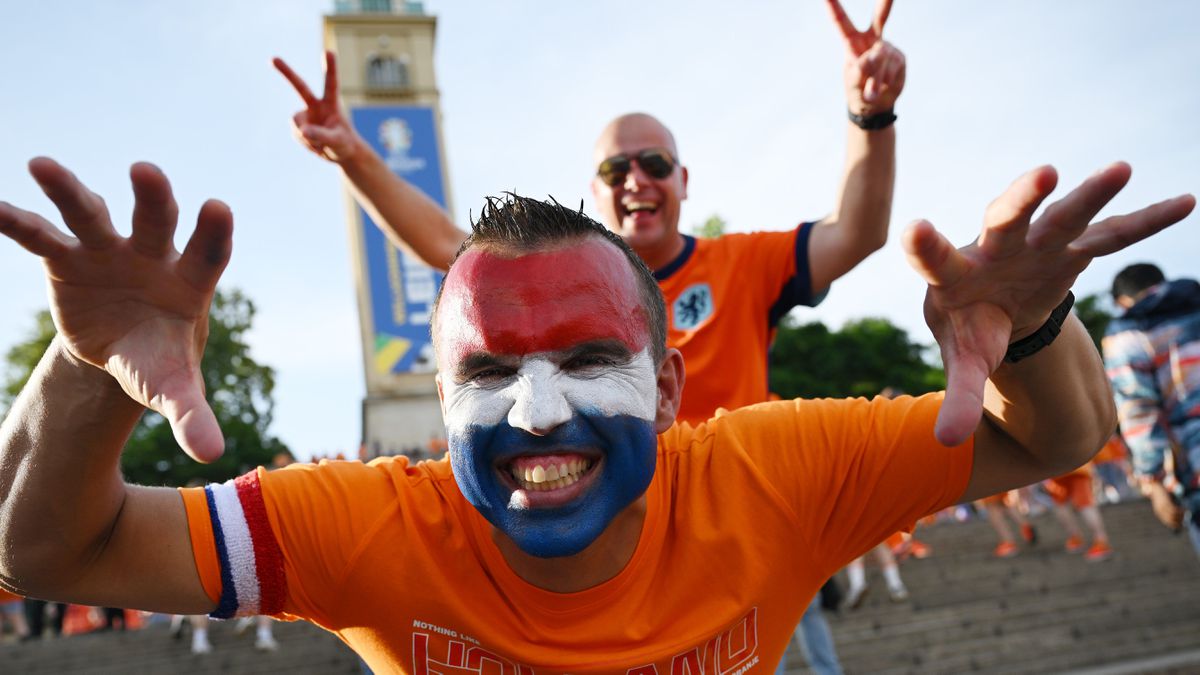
[[549, 392]]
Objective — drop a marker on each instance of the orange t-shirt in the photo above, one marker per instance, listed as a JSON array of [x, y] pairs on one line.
[[747, 515], [1112, 451], [724, 298]]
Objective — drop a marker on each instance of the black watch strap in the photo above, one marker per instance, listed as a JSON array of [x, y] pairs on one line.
[[880, 120], [1032, 344]]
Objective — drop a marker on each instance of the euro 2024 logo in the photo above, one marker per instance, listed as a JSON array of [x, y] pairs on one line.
[[396, 138]]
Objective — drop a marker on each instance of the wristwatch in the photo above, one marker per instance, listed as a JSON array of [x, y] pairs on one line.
[[1032, 344]]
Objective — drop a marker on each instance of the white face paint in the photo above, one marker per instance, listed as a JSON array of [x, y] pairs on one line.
[[542, 393]]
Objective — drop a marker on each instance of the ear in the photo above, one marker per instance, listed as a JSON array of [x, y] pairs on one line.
[[437, 379], [670, 390], [1125, 302], [683, 175]]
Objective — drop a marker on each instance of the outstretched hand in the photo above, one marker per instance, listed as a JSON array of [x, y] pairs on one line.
[[875, 69], [133, 306], [321, 127], [1002, 287]]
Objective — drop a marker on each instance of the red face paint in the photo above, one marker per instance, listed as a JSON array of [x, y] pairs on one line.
[[539, 302]]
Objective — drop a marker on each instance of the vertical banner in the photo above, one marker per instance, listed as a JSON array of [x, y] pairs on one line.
[[402, 289]]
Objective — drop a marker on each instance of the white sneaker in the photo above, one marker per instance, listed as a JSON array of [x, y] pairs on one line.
[[266, 643], [202, 646], [855, 596], [898, 593]]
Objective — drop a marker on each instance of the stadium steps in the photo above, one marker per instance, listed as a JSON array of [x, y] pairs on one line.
[[303, 648], [1044, 611]]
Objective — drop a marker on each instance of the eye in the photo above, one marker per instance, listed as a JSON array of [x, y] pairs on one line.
[[490, 376], [589, 362]]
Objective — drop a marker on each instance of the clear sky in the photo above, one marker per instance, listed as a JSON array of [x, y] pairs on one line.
[[751, 89]]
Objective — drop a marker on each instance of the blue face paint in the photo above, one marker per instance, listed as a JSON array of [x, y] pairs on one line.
[[627, 447]]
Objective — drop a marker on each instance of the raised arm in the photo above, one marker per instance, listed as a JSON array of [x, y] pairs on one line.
[[132, 320], [408, 216], [1050, 412], [858, 224]]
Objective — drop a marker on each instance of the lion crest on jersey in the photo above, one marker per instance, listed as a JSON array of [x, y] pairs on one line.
[[692, 308]]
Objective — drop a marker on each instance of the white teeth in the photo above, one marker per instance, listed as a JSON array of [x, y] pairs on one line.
[[551, 477]]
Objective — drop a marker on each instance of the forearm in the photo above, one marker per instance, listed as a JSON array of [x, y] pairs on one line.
[[864, 201], [858, 224], [1056, 406], [60, 482], [409, 217]]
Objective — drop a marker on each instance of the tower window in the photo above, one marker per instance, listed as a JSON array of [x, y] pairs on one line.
[[387, 72]]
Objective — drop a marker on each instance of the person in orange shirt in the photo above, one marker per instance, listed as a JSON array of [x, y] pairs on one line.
[[1072, 492], [724, 295], [574, 526], [1113, 472]]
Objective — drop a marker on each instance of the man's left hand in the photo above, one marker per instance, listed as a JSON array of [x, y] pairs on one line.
[[1003, 286], [874, 67]]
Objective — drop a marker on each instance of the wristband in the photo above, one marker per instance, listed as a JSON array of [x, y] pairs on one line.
[[880, 120], [1032, 344]]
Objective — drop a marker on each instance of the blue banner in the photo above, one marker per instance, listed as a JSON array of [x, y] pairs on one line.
[[402, 289]]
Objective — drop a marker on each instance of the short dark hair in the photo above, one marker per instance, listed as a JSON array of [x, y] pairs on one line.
[[522, 224], [1136, 278]]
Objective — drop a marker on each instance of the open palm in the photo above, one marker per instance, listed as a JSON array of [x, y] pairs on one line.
[[133, 306], [1002, 287]]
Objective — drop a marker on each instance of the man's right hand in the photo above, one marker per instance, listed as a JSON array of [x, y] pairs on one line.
[[321, 126], [1165, 507], [135, 306]]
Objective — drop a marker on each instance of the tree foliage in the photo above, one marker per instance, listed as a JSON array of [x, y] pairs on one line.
[[238, 388], [1095, 316], [810, 361], [711, 228]]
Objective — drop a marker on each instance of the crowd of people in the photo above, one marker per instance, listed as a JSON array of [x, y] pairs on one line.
[[582, 481]]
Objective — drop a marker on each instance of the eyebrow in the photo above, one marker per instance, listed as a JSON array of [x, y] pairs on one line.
[[605, 346], [476, 361]]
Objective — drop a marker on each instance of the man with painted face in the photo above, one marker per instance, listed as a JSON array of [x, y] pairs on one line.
[[724, 296], [575, 529]]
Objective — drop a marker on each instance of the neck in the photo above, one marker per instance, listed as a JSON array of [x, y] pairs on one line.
[[660, 255], [599, 562]]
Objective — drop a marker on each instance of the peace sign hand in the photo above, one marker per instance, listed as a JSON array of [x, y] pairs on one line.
[[321, 127], [133, 306], [1002, 287], [875, 69]]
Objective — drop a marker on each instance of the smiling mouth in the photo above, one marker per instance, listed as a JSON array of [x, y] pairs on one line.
[[549, 472], [636, 208]]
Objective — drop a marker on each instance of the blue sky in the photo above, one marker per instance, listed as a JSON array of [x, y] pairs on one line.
[[752, 91]]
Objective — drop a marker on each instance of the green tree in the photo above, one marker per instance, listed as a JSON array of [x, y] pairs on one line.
[[1095, 316], [808, 360], [238, 388], [711, 228]]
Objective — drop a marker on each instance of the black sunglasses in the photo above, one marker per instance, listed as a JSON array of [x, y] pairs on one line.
[[656, 162]]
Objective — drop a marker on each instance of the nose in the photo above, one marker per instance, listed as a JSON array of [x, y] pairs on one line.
[[540, 405], [635, 178]]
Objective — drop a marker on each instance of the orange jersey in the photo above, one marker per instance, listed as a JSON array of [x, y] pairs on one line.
[[391, 558], [1112, 451], [724, 298]]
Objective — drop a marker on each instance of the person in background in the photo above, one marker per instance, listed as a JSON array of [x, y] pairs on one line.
[[1152, 356]]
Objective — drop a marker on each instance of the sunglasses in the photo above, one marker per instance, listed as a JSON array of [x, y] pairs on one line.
[[656, 162]]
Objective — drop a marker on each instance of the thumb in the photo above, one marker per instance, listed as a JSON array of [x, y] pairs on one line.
[[194, 425], [962, 408]]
